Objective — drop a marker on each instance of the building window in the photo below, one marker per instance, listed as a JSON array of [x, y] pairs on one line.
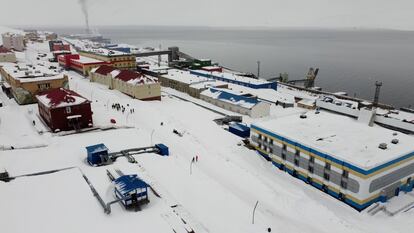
[[283, 155], [43, 86], [284, 147], [310, 169], [311, 159], [297, 152], [326, 176], [345, 174], [270, 150], [296, 161], [260, 137], [327, 166], [344, 184], [271, 141]]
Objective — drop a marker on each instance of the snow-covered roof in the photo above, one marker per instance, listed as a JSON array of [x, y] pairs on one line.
[[128, 76], [105, 52], [103, 70], [232, 97], [29, 73], [96, 148], [341, 137], [191, 79], [114, 73], [135, 78], [128, 183], [266, 94], [60, 97], [232, 76], [12, 34], [87, 60], [308, 102]]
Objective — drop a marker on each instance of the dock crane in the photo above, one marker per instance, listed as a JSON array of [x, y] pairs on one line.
[[309, 80]]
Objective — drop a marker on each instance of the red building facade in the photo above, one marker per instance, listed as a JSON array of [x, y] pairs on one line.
[[80, 63], [61, 47], [64, 110]]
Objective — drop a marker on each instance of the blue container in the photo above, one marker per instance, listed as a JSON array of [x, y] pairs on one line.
[[97, 154], [163, 149], [240, 130]]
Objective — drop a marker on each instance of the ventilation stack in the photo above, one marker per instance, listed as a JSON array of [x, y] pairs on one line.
[[378, 85]]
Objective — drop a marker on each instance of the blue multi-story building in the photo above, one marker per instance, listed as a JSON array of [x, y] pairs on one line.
[[347, 159]]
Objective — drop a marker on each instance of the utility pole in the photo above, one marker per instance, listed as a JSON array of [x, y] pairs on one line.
[[159, 57], [258, 69]]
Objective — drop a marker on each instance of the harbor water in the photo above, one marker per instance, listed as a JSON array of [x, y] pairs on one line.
[[349, 60]]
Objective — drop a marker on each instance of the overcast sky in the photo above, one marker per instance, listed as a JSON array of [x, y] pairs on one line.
[[397, 14]]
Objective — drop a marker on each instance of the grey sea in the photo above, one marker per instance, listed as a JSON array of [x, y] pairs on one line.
[[349, 60]]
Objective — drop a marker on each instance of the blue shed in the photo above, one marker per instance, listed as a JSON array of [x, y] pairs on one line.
[[163, 149], [240, 130], [131, 190], [97, 154]]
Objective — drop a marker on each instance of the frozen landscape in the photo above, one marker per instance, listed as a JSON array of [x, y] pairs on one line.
[[217, 193]]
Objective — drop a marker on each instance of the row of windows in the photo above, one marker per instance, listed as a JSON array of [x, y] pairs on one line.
[[123, 58], [123, 64], [311, 161], [43, 86]]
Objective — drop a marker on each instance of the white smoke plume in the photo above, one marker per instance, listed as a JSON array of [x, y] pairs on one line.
[[84, 6]]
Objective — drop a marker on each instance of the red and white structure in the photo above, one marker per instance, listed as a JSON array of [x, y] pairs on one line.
[[132, 83], [63, 110], [80, 63]]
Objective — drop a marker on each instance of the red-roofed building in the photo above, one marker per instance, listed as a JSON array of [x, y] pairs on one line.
[[63, 109], [61, 47], [4, 49], [79, 63], [129, 82], [6, 55], [103, 75], [127, 75]]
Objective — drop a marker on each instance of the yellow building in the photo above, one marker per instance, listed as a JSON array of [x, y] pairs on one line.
[[26, 80], [132, 83], [119, 60]]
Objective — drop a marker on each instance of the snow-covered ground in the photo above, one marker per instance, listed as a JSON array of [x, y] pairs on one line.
[[217, 194]]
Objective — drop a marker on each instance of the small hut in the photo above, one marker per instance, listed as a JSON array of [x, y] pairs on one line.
[[132, 191], [97, 154]]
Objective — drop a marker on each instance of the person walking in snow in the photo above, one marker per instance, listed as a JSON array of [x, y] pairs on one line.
[[193, 160], [196, 158]]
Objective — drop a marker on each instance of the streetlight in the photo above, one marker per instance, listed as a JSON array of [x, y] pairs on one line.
[[126, 118], [152, 133], [254, 211]]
